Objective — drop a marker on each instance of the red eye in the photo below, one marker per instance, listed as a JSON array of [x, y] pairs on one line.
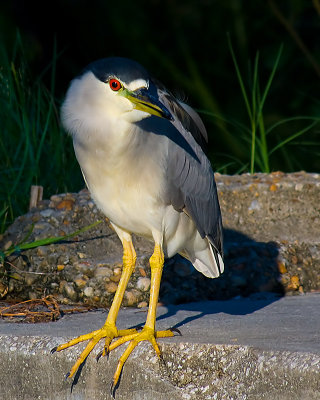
[[115, 84]]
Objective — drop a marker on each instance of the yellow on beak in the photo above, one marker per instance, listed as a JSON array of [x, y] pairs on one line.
[[144, 101]]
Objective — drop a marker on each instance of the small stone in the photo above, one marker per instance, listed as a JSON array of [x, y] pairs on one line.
[[84, 268], [69, 291], [65, 205], [62, 285], [142, 304], [30, 279], [80, 283], [299, 187], [115, 278], [42, 251], [273, 188], [46, 213], [81, 255], [130, 297], [117, 271], [294, 282], [142, 271], [54, 285], [102, 272], [88, 291], [282, 268], [60, 267], [285, 280], [111, 287], [143, 284]]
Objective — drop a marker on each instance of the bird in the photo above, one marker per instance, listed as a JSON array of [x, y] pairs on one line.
[[142, 153]]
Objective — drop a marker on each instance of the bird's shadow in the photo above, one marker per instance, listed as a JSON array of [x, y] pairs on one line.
[[251, 275], [161, 127], [233, 307]]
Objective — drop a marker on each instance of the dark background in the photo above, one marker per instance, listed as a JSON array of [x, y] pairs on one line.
[[184, 44]]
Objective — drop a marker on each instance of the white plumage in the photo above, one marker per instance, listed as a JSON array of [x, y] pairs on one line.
[[125, 169]]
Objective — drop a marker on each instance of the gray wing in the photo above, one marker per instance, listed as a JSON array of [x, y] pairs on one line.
[[191, 179]]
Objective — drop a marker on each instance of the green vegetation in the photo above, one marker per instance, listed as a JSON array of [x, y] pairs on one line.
[[33, 147], [257, 88], [256, 134]]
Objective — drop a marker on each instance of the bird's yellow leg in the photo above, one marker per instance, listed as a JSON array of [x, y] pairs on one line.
[[109, 330], [148, 332]]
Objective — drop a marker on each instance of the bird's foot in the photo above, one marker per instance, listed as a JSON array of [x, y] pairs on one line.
[[146, 334], [107, 332]]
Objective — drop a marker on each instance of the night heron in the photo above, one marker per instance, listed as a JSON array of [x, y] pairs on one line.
[[141, 152]]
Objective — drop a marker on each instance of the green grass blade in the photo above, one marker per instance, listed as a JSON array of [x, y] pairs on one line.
[[255, 85], [44, 132], [242, 86], [286, 120], [230, 121], [264, 145], [43, 242], [294, 136], [268, 85]]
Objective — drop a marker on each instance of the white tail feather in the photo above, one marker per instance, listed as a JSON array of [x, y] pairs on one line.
[[208, 261]]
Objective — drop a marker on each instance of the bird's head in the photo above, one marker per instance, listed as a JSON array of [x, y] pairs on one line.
[[110, 90]]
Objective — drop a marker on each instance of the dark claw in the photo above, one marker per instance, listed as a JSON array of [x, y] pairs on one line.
[[112, 390], [176, 330], [99, 356], [107, 352], [114, 387], [53, 350], [139, 328], [67, 376]]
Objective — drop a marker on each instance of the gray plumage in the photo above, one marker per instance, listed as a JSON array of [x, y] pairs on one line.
[[193, 186]]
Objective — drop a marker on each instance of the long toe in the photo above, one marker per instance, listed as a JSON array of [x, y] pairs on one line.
[[146, 334], [107, 332]]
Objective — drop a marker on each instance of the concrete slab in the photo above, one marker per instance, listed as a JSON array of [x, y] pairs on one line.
[[237, 349]]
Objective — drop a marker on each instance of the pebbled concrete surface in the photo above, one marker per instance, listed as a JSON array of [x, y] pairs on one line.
[[238, 349]]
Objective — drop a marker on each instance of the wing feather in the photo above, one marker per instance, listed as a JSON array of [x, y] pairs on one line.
[[186, 115], [192, 185]]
